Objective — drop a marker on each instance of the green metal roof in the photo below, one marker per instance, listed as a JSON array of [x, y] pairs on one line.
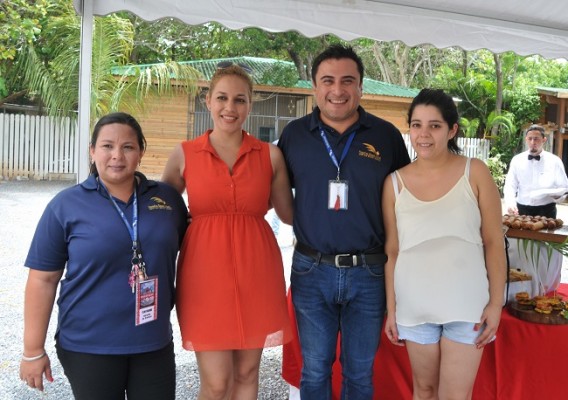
[[557, 92], [259, 66], [371, 86], [263, 66]]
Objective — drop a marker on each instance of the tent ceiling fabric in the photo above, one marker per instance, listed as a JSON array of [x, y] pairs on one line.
[[523, 26]]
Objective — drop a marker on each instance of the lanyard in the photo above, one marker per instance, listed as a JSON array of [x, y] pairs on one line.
[[132, 229], [332, 154], [138, 269]]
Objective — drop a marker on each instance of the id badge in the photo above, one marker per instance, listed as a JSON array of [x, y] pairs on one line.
[[337, 198], [146, 300]]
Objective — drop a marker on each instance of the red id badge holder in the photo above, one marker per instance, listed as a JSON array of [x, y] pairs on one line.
[[146, 300]]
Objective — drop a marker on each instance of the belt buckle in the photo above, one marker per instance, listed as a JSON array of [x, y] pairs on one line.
[[354, 260]]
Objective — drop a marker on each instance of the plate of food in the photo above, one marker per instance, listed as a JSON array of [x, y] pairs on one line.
[[550, 310]]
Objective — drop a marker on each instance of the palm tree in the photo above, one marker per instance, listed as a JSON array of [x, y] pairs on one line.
[[505, 140], [500, 123], [56, 81], [469, 127]]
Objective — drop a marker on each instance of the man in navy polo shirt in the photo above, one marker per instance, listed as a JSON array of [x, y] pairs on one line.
[[338, 157]]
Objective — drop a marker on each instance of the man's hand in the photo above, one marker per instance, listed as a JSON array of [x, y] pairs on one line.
[[513, 211]]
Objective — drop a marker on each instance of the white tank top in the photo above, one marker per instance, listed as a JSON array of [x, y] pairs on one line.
[[440, 273]]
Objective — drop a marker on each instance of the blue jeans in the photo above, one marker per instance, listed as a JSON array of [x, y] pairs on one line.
[[328, 300]]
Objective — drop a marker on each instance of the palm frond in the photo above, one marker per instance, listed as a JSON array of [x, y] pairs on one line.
[[57, 83]]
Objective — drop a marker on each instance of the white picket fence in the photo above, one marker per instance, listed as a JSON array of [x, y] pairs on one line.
[[471, 147], [37, 147], [43, 148]]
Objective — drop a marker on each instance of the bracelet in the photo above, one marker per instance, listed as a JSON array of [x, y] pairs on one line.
[[28, 359]]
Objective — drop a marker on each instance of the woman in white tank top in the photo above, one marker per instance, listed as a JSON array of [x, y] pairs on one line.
[[445, 273]]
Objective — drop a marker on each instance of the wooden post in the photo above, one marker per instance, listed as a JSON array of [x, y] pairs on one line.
[[561, 121]]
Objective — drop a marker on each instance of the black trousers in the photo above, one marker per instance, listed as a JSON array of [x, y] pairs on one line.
[[143, 376], [547, 210]]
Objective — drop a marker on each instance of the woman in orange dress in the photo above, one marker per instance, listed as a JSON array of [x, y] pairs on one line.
[[231, 299]]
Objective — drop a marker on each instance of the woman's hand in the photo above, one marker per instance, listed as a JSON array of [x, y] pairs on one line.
[[490, 322], [391, 331], [31, 372]]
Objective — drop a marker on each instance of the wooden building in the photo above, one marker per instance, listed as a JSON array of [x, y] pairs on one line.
[[167, 121], [555, 118]]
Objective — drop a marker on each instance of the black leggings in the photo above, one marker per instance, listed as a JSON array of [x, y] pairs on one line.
[[547, 210], [143, 376]]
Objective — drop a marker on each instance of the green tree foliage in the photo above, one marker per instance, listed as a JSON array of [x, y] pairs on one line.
[[504, 133], [474, 84], [399, 64], [524, 101], [525, 104], [280, 74], [498, 170], [501, 92], [289, 45], [20, 24], [55, 78], [46, 32], [170, 39], [469, 127]]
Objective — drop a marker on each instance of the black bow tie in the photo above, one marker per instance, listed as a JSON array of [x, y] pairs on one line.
[[531, 157]]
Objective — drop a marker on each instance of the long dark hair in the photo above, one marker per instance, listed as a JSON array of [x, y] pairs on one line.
[[445, 104], [117, 118]]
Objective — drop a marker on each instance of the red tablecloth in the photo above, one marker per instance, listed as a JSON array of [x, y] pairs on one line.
[[526, 362]]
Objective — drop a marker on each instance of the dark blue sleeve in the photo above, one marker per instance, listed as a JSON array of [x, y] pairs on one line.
[[283, 144], [401, 157], [48, 250]]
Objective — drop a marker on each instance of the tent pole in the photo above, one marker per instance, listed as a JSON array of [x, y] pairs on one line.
[[85, 66]]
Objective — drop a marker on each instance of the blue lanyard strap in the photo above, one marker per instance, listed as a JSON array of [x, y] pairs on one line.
[[332, 154], [132, 229]]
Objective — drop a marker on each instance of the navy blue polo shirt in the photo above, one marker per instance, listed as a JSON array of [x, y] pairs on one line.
[[377, 150], [81, 232]]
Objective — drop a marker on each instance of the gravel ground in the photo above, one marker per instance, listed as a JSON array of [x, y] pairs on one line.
[[21, 205]]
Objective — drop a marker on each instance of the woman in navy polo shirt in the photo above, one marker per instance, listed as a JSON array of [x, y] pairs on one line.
[[111, 244]]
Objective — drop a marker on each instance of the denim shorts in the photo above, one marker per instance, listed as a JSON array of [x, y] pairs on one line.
[[460, 332]]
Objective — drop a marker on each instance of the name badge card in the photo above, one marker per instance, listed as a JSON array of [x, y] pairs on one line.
[[146, 300], [337, 198]]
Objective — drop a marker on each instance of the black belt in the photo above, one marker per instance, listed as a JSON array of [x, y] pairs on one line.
[[376, 255]]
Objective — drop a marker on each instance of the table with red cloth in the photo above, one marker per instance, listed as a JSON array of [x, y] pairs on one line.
[[527, 361]]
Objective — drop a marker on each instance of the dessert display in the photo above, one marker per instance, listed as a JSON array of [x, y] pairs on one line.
[[552, 310], [531, 223]]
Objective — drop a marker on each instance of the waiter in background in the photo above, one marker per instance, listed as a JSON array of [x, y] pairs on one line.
[[536, 180]]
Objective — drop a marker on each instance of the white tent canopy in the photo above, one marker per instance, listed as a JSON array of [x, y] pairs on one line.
[[523, 26]]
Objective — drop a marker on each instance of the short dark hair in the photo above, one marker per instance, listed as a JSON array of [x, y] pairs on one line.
[[445, 104], [117, 118], [535, 127], [337, 52]]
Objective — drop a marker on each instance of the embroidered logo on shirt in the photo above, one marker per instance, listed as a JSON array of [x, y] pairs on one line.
[[370, 152], [159, 204]]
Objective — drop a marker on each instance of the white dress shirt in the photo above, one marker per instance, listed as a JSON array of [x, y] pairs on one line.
[[535, 183]]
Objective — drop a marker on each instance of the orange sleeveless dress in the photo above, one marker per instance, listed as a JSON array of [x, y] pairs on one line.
[[231, 292]]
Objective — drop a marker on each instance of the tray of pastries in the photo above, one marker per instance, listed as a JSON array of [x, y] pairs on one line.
[[531, 223], [535, 228], [550, 310]]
